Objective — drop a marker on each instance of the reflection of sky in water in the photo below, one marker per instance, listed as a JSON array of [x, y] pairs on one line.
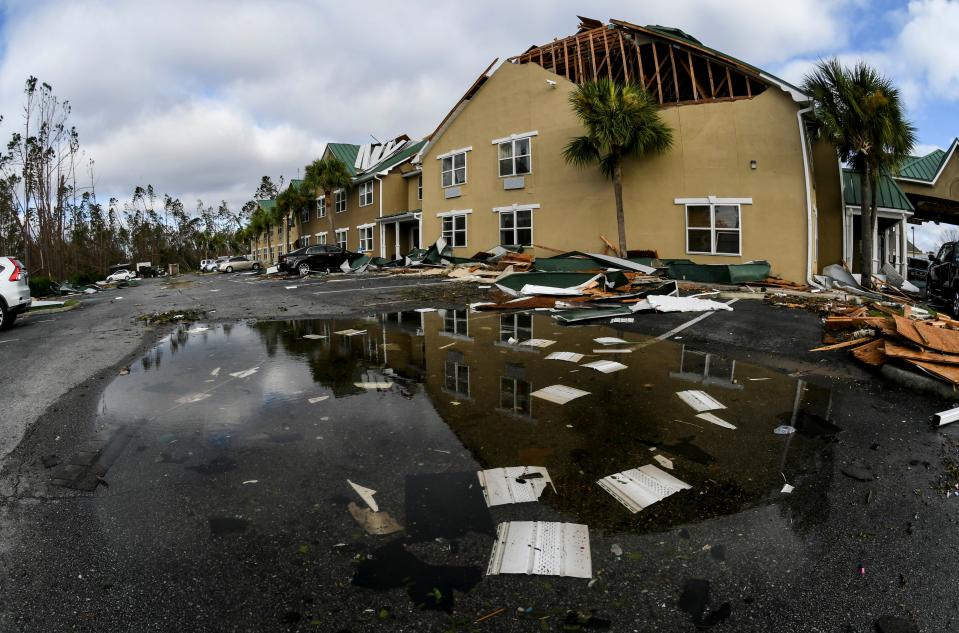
[[460, 384]]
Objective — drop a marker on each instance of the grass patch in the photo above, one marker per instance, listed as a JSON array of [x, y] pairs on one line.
[[172, 316]]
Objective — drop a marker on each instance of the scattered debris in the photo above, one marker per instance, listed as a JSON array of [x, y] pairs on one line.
[[784, 429], [605, 366], [350, 332], [641, 487], [700, 400], [947, 417], [516, 484], [374, 385], [538, 342], [314, 337], [541, 548], [571, 357], [559, 394], [366, 494], [317, 399], [610, 340], [246, 373], [664, 462], [377, 523], [713, 419]]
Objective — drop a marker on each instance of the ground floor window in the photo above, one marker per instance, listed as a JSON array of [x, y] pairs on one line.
[[516, 227], [713, 229], [454, 229], [341, 237], [321, 238], [305, 240], [366, 238], [457, 378]]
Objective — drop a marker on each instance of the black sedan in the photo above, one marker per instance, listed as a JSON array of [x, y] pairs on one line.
[[322, 257]]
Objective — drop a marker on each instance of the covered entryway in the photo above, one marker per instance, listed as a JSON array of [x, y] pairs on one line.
[[399, 233], [889, 239]]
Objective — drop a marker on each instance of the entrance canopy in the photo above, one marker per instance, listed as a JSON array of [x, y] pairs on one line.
[[931, 183]]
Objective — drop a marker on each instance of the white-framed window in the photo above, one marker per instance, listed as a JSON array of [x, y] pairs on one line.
[[515, 158], [713, 229], [321, 238], [339, 200], [453, 170], [342, 235], [366, 193], [514, 395], [321, 207], [516, 227], [457, 378], [517, 326], [305, 240], [419, 187], [366, 237], [456, 322], [454, 229]]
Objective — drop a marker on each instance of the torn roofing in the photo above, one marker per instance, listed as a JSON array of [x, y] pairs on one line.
[[888, 193], [348, 152], [927, 168]]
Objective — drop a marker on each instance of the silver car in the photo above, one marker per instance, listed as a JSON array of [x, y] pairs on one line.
[[14, 291], [236, 264]]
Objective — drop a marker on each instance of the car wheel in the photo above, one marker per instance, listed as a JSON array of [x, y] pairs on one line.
[[304, 269], [6, 319], [955, 303], [256, 267], [229, 269]]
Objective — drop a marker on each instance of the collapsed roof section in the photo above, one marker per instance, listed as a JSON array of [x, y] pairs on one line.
[[672, 65], [365, 161]]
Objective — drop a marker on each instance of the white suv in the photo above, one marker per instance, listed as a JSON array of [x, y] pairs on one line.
[[14, 291]]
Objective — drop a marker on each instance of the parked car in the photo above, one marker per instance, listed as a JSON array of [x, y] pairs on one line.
[[315, 258], [121, 275], [212, 265], [942, 276], [238, 263], [14, 291], [916, 270]]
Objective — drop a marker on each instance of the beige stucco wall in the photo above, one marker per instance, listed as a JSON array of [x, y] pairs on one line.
[[828, 191], [713, 146], [947, 185]]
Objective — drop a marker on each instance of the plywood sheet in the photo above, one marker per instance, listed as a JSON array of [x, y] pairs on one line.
[[873, 354], [897, 350]]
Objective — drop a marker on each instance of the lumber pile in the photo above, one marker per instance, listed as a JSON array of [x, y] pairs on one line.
[[909, 337]]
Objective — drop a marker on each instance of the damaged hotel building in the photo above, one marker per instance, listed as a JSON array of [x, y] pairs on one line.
[[744, 180]]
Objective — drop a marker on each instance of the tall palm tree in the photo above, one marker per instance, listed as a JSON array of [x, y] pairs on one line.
[[621, 120], [326, 175], [860, 112]]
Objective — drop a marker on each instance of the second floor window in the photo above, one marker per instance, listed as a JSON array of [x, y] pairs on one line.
[[339, 201], [305, 214], [321, 207], [366, 193], [419, 187], [457, 378], [514, 157], [453, 170]]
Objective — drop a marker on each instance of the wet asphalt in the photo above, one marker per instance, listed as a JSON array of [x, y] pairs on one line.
[[214, 507]]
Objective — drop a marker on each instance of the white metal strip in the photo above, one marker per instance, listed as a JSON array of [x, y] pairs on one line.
[[641, 487], [700, 400], [511, 485], [513, 137], [542, 548]]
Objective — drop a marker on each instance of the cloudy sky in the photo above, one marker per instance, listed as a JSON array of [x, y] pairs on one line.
[[201, 98]]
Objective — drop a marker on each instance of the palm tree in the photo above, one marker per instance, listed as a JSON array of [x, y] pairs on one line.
[[860, 112], [621, 120], [326, 175]]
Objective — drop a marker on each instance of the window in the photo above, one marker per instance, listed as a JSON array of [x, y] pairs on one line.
[[454, 229], [366, 238], [516, 227], [457, 378], [321, 207], [321, 238], [518, 327], [366, 193], [419, 187], [305, 241], [339, 201], [341, 237], [514, 395], [456, 322], [279, 231], [514, 157], [453, 170], [305, 214], [712, 229]]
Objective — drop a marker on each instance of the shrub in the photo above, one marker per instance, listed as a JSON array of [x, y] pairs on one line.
[[39, 285]]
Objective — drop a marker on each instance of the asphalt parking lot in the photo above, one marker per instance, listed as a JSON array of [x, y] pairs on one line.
[[150, 483]]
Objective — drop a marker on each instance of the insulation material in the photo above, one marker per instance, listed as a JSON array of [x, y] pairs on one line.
[[542, 548], [350, 332], [376, 523], [571, 357], [366, 494], [700, 400], [538, 342], [712, 419], [559, 394], [641, 487], [605, 366], [516, 484], [665, 303]]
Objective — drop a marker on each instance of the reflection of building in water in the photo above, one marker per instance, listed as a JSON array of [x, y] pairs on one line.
[[457, 374], [707, 369], [517, 326]]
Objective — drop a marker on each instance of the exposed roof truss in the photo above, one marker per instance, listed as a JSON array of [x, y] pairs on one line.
[[674, 71]]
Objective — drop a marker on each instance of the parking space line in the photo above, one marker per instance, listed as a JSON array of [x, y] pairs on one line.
[[432, 283], [681, 327], [9, 340]]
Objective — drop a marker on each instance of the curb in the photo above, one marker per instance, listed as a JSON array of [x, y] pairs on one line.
[[918, 382], [50, 310]]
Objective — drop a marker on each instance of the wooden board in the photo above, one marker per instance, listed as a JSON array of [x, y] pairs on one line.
[[897, 350], [883, 324], [939, 339], [854, 342], [948, 373], [872, 353]]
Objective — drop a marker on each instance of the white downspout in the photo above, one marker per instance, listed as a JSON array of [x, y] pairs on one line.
[[382, 232], [806, 181]]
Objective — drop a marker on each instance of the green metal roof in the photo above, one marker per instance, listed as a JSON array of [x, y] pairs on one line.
[[889, 195], [925, 167], [392, 161], [268, 204], [346, 152]]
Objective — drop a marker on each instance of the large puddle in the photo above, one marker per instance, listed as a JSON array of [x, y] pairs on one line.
[[275, 411]]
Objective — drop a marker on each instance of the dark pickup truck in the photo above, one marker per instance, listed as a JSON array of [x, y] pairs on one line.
[[942, 276]]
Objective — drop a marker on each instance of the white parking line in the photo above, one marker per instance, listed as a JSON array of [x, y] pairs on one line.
[[432, 283], [9, 340], [680, 328]]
